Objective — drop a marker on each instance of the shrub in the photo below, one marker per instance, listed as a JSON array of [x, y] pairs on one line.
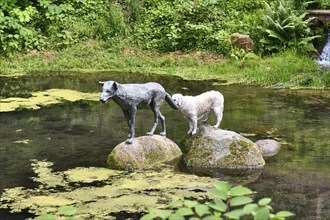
[[195, 25], [285, 27], [52, 24]]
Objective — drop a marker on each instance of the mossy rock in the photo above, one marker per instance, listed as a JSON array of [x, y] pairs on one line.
[[145, 151], [221, 149]]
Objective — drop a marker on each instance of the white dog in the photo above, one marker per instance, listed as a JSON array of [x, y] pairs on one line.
[[196, 107]]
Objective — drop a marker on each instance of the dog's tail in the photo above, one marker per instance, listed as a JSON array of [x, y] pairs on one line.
[[170, 101]]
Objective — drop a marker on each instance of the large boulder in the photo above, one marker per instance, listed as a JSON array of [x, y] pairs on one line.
[[221, 149], [268, 147], [145, 151], [242, 41]]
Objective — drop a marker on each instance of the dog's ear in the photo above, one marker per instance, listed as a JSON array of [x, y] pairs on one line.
[[101, 83]]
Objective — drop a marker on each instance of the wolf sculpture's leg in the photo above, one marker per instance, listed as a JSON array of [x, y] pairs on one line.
[[154, 126], [128, 120], [157, 115], [162, 120], [131, 125]]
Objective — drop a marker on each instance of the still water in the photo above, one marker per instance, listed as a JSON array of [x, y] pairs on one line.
[[85, 132]]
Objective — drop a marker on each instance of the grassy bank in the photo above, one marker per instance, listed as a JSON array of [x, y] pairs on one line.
[[287, 69]]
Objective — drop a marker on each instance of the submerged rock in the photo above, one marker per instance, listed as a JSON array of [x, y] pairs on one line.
[[214, 148], [268, 147], [145, 151]]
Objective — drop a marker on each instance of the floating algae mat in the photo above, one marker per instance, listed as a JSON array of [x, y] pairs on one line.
[[43, 98], [101, 193]]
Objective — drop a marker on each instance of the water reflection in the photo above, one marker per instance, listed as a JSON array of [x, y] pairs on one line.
[[83, 134]]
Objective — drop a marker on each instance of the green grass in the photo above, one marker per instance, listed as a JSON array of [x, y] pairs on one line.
[[287, 69]]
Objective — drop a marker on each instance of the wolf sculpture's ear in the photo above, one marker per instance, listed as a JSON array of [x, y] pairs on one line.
[[101, 82], [115, 86]]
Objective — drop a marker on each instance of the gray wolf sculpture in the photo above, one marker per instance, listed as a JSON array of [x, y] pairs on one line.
[[131, 97], [197, 107]]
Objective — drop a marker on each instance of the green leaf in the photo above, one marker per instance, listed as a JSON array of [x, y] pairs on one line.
[[190, 203], [73, 218], [235, 214], [218, 205], [184, 211], [201, 210], [284, 214], [67, 210], [249, 208], [46, 217], [261, 213], [176, 204], [176, 217], [164, 214], [213, 217], [241, 200], [264, 201], [148, 216], [240, 191], [224, 186], [218, 193], [194, 218]]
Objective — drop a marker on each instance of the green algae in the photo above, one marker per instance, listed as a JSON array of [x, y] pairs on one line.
[[90, 174], [46, 176], [105, 193], [44, 98]]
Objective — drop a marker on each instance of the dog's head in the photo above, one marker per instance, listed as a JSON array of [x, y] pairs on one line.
[[177, 98], [109, 89]]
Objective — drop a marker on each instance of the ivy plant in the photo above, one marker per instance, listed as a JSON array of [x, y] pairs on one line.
[[227, 203]]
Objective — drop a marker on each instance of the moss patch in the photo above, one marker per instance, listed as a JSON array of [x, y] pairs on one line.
[[221, 149], [43, 98], [105, 193]]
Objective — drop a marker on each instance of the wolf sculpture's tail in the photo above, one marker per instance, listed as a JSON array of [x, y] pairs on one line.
[[170, 101]]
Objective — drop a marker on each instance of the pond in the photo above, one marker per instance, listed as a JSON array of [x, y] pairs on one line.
[[83, 133]]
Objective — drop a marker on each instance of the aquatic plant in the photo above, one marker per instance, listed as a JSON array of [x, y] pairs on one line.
[[66, 212], [227, 203]]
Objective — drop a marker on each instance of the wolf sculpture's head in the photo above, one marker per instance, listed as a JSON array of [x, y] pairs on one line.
[[109, 89]]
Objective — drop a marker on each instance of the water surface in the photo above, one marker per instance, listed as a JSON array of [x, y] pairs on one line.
[[85, 132]]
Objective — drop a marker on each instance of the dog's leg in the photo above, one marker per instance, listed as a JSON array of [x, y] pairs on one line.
[[207, 116], [194, 124], [132, 115], [218, 111], [190, 126]]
